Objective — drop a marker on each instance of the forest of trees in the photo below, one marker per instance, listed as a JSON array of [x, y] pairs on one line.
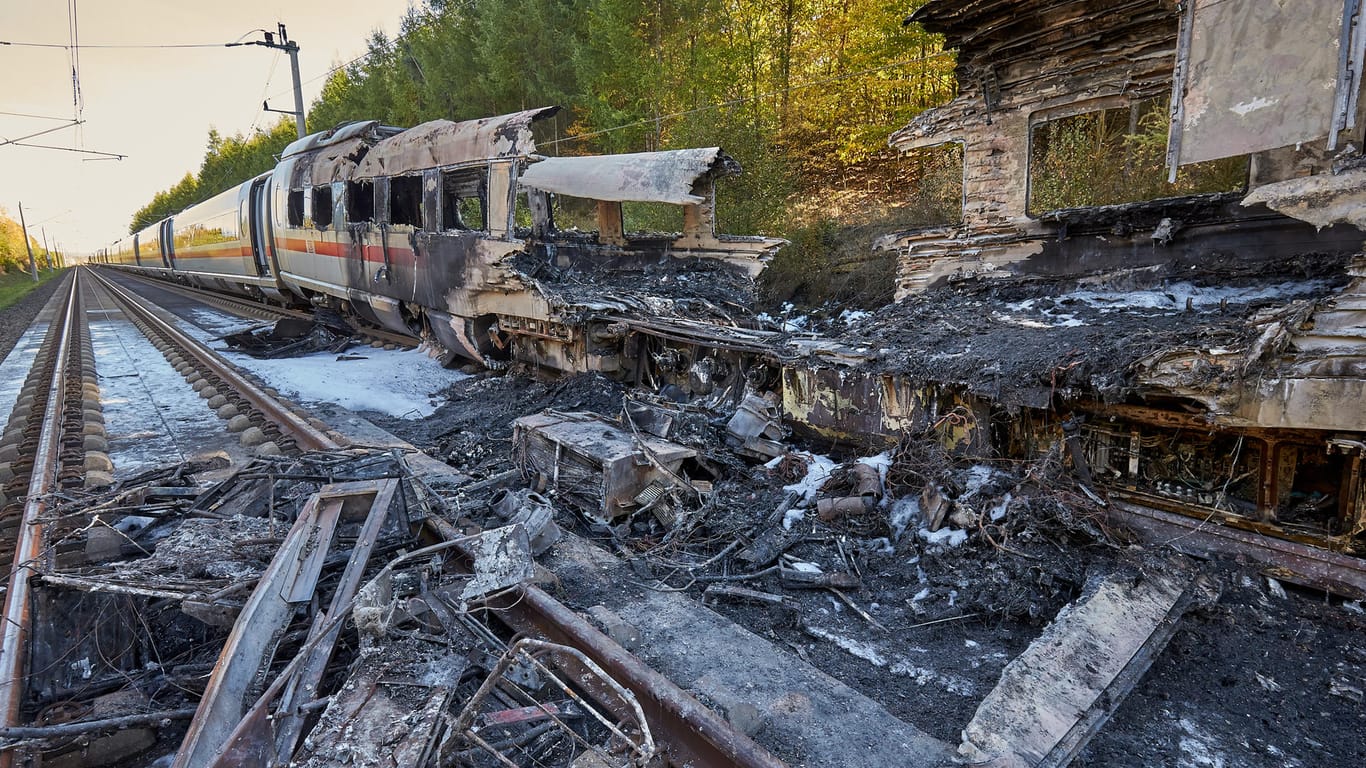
[[803, 92], [13, 254]]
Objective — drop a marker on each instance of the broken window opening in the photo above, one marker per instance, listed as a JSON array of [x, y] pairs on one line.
[[638, 218], [933, 179], [1309, 489], [522, 217], [463, 195], [322, 207], [360, 201], [1113, 156], [574, 213], [533, 215], [405, 201], [295, 205]]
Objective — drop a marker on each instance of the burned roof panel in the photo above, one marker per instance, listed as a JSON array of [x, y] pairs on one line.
[[981, 23], [658, 177], [370, 129], [441, 143], [337, 162]]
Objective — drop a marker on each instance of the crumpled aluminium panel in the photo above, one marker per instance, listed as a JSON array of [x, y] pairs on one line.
[[656, 177], [1259, 75], [441, 143]]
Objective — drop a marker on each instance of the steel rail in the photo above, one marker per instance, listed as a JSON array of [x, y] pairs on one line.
[[28, 549], [694, 734], [305, 435]]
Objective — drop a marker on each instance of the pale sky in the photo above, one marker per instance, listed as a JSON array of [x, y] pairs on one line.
[[154, 105]]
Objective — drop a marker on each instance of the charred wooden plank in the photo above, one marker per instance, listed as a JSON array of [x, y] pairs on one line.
[[1057, 694]]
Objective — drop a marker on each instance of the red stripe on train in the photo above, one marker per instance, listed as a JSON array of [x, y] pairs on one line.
[[398, 255]]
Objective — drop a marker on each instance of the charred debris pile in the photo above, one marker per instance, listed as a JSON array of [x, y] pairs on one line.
[[343, 608], [321, 609], [1020, 340], [326, 331], [294, 607]]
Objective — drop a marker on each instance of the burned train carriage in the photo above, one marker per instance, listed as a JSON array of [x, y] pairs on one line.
[[448, 231], [1158, 258]]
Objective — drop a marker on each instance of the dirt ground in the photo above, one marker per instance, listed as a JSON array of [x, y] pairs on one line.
[[1266, 676]]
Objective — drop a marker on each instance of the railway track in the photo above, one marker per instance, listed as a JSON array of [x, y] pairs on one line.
[[55, 441], [47, 456], [232, 394], [58, 445]]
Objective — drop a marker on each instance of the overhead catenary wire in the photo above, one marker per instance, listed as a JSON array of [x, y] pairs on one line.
[[107, 155], [260, 111], [73, 48], [34, 117], [35, 134], [76, 46], [112, 46]]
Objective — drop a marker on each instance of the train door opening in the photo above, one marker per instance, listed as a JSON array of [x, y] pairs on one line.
[[259, 210], [137, 254]]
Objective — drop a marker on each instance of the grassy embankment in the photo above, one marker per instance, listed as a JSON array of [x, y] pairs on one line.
[[16, 285]]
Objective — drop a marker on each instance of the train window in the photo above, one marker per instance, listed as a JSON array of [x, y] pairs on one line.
[[360, 201], [932, 195], [322, 207], [570, 212], [462, 199], [651, 218], [405, 200], [532, 214], [1115, 155], [522, 218], [296, 207]]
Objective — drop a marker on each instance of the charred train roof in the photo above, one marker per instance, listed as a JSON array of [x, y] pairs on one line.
[[441, 143], [366, 149], [987, 26], [658, 177], [367, 130]]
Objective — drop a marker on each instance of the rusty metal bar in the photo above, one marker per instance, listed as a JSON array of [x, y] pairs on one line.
[[305, 435], [695, 735], [14, 640]]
